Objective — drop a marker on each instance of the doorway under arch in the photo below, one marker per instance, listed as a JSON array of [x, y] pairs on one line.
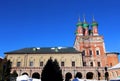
[[24, 73], [68, 76], [36, 75], [79, 75], [89, 75]]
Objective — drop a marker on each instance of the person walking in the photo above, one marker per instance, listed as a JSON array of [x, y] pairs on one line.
[[68, 76], [78, 77]]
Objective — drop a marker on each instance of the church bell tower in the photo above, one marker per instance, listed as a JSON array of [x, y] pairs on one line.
[[90, 43]]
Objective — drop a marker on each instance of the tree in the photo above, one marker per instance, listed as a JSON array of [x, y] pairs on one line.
[[58, 71], [14, 74], [51, 71], [1, 69], [5, 69]]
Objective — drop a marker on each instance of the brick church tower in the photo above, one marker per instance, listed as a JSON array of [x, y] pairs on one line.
[[91, 44]]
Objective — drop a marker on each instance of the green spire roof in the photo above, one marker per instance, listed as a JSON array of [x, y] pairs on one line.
[[85, 24], [94, 23], [79, 23]]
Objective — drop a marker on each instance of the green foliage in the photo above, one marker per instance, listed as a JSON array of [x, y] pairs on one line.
[[14, 74], [51, 71], [5, 68]]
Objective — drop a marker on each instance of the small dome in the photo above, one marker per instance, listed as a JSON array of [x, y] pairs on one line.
[[94, 24], [85, 24], [79, 24]]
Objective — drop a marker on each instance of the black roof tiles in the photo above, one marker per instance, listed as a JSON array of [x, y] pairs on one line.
[[44, 50]]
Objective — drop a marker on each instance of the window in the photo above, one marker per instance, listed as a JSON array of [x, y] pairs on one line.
[[62, 63], [97, 52], [84, 63], [110, 64], [90, 51], [98, 64], [91, 63], [31, 63], [73, 63], [41, 63], [18, 64], [83, 52]]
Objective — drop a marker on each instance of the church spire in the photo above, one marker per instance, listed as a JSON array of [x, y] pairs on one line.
[[85, 26], [94, 23], [78, 18], [79, 23], [84, 18], [94, 26], [93, 18]]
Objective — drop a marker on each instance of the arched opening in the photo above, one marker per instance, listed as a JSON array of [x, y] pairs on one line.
[[36, 75], [79, 75], [89, 75], [24, 73], [68, 76]]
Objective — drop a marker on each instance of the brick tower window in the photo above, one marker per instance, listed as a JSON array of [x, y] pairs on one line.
[[110, 64], [97, 52], [90, 51], [91, 63], [98, 63]]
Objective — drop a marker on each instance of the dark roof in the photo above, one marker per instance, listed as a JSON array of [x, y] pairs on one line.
[[44, 50], [113, 53]]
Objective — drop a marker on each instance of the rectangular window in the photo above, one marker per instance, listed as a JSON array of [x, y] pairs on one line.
[[84, 63], [31, 63], [91, 63], [41, 63], [90, 51], [97, 52], [98, 64], [62, 63], [73, 63], [110, 64], [18, 64]]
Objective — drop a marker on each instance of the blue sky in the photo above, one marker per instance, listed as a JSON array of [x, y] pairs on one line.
[[46, 23]]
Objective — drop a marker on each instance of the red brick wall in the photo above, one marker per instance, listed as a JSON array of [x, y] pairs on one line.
[[112, 59]]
